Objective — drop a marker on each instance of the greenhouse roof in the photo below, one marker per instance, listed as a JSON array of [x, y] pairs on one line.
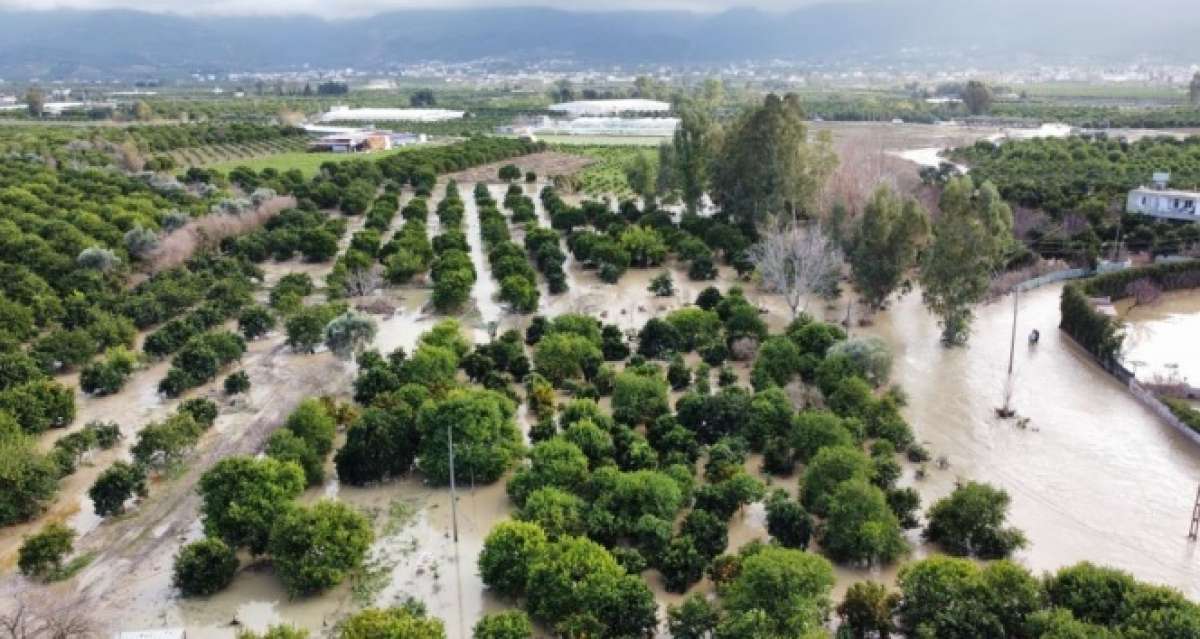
[[610, 107], [347, 114]]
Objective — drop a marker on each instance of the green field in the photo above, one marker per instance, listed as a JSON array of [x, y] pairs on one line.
[[308, 163], [607, 175], [1108, 90]]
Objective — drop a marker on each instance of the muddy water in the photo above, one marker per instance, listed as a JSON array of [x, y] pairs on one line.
[[929, 157], [414, 557], [1161, 338], [1094, 476], [485, 290]]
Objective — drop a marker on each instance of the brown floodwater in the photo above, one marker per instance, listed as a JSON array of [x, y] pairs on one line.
[[1093, 476], [1161, 339]]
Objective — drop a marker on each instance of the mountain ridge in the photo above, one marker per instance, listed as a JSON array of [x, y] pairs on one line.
[[123, 41]]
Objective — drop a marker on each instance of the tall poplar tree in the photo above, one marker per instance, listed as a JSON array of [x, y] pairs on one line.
[[883, 246], [768, 166], [692, 155], [970, 238]]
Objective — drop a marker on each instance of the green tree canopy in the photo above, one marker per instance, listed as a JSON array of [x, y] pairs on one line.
[[508, 552], [970, 521], [316, 548], [42, 554], [828, 468], [790, 588], [767, 164], [860, 527], [970, 237], [510, 624], [485, 437], [403, 622], [204, 567], [577, 581], [243, 497], [883, 245]]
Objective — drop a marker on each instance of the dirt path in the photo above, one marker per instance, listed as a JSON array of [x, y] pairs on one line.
[[135, 554], [546, 164]]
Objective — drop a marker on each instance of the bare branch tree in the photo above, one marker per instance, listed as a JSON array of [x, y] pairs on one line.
[[47, 620], [1143, 291], [796, 261], [362, 281]]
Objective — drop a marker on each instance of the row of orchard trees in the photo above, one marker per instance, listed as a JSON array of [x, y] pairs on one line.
[[604, 496], [69, 238]]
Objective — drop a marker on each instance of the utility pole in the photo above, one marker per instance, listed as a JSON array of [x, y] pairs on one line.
[[1194, 530], [1007, 411], [454, 525], [1012, 344], [453, 494]]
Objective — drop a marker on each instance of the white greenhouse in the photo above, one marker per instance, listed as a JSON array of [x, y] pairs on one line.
[[610, 107], [602, 126], [347, 114]]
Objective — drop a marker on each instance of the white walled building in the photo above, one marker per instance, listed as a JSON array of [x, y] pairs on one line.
[[1159, 201]]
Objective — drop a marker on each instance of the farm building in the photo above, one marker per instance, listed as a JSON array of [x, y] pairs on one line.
[[610, 107], [1159, 201], [347, 114], [353, 142], [350, 140]]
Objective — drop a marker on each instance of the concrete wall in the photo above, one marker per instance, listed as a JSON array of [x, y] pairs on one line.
[[1152, 402]]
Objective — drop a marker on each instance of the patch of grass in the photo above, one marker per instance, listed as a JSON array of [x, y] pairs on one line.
[[1104, 90], [369, 580], [72, 568], [307, 163], [401, 513]]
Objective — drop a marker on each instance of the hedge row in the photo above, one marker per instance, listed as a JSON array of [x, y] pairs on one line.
[[453, 273], [518, 280], [409, 252], [1100, 334], [1184, 411]]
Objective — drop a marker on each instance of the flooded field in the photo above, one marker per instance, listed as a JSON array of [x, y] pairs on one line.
[[1161, 338], [1093, 475]]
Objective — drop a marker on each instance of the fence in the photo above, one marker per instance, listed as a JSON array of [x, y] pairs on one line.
[[1050, 278], [1149, 400]]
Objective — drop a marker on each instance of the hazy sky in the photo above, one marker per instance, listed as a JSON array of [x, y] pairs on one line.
[[333, 8]]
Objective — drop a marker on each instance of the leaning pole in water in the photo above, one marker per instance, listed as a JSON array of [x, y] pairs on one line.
[[1007, 411]]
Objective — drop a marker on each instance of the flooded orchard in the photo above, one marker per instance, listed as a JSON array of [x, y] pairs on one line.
[[1092, 474]]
